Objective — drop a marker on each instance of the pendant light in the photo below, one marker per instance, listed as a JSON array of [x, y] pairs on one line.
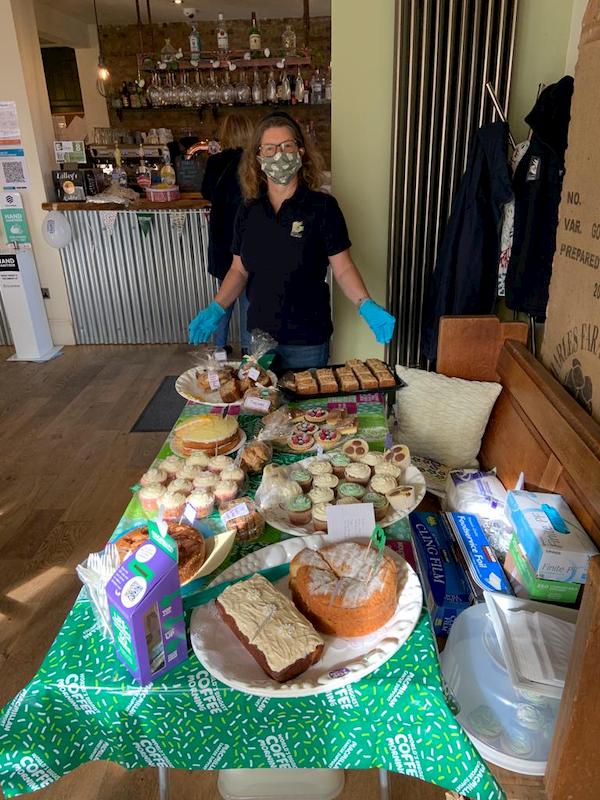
[[103, 74]]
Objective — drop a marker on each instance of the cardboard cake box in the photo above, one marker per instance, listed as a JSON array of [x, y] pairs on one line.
[[146, 610]]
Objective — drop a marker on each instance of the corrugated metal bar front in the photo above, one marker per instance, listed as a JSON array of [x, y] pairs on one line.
[[5, 334], [130, 287], [446, 50]]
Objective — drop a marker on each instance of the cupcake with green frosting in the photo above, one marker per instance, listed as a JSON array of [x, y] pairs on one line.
[[303, 478], [339, 462], [380, 502], [299, 509], [349, 489]]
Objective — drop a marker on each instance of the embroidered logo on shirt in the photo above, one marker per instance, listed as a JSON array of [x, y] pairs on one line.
[[297, 229]]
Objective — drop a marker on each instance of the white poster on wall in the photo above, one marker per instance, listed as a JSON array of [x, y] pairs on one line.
[[13, 168]]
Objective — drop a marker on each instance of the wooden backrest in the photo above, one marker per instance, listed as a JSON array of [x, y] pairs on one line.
[[538, 428]]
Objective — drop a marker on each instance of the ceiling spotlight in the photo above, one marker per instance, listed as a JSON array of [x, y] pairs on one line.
[[178, 2]]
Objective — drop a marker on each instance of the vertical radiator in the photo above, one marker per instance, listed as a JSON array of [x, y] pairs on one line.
[[127, 287], [446, 51]]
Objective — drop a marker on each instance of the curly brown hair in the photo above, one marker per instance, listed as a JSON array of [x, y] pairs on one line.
[[252, 178]]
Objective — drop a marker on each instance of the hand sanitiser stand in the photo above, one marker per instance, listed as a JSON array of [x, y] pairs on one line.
[[24, 307]]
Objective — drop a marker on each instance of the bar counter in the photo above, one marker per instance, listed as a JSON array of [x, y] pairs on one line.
[[137, 274]]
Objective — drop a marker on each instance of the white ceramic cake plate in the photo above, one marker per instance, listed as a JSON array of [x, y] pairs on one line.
[[278, 516], [179, 452], [187, 386], [344, 661]]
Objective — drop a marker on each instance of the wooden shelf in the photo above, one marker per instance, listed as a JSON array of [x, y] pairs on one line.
[[184, 65], [187, 202], [213, 106]]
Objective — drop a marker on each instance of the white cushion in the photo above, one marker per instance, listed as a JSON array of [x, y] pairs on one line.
[[443, 418]]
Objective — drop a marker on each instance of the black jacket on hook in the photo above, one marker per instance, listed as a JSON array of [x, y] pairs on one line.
[[466, 269], [537, 185]]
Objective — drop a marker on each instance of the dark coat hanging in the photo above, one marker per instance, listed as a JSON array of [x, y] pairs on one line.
[[465, 276], [537, 185]]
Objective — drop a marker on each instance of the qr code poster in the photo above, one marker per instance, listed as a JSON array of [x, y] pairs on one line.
[[13, 169]]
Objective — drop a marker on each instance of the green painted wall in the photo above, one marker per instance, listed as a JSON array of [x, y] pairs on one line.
[[543, 31], [362, 62]]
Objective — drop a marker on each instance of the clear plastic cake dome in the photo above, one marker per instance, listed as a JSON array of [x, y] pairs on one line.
[[510, 727]]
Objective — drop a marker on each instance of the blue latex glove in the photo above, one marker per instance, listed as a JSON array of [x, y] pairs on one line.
[[377, 318], [205, 323]]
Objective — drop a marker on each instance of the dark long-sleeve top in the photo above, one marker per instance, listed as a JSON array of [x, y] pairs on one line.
[[221, 186]]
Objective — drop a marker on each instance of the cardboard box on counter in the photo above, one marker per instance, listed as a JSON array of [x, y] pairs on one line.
[[526, 583], [552, 539]]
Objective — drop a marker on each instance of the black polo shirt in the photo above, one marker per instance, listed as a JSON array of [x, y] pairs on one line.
[[286, 256]]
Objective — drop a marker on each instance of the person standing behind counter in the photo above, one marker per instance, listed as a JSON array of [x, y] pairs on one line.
[[221, 186], [285, 235]]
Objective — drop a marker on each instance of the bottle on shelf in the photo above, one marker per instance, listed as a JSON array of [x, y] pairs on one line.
[[286, 89], [255, 37], [125, 102], [119, 176], [257, 90], [134, 97], [167, 173], [288, 41], [195, 44], [328, 85], [299, 89], [167, 51], [222, 34], [143, 177], [316, 88], [271, 93]]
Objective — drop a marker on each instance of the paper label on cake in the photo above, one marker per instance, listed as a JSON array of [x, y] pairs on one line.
[[189, 513], [319, 451], [220, 355], [241, 510], [253, 374], [350, 521], [257, 403], [213, 381]]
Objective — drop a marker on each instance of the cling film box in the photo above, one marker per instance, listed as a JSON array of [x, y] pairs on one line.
[[146, 611], [446, 590]]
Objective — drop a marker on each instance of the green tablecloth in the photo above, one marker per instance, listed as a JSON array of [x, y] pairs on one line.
[[83, 706]]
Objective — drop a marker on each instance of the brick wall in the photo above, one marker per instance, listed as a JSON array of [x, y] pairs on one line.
[[121, 45]]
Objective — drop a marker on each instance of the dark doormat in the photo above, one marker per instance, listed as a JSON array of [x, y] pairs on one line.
[[162, 410]]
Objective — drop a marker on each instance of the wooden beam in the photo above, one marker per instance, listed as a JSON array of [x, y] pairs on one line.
[[306, 22]]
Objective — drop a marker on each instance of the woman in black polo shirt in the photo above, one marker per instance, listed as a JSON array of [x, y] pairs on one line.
[[285, 236]]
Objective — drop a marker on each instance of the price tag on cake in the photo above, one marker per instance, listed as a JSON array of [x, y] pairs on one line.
[[241, 510], [350, 521], [253, 374], [220, 355], [189, 513], [213, 381], [260, 404], [319, 451]]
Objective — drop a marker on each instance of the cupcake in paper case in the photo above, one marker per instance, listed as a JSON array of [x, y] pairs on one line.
[[384, 484], [518, 743], [354, 490], [234, 474], [218, 463], [189, 471], [197, 460], [483, 723], [358, 473], [319, 516], [171, 465], [225, 491], [321, 494], [303, 478], [380, 502], [205, 480], [531, 717], [339, 462], [319, 466], [371, 459], [391, 470], [179, 485], [203, 502], [173, 505], [150, 497], [329, 481], [299, 509], [154, 475], [347, 501]]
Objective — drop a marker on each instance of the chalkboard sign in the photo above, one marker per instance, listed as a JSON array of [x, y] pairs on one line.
[[189, 174]]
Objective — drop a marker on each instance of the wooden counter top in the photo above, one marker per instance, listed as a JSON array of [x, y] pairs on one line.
[[186, 202]]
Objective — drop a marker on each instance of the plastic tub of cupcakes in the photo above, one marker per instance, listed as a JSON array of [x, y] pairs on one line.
[[511, 728]]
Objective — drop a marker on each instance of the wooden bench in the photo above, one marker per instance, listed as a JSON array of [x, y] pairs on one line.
[[537, 428]]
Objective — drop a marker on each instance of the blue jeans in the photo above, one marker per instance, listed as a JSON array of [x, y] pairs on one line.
[[296, 356], [222, 332]]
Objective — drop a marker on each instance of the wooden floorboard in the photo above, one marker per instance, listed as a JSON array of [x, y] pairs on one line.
[[66, 464]]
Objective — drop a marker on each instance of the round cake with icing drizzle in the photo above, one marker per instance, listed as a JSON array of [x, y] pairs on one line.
[[345, 589]]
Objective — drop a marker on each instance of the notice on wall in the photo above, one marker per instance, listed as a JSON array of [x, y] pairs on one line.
[[13, 228], [70, 152], [13, 169], [571, 347], [10, 133]]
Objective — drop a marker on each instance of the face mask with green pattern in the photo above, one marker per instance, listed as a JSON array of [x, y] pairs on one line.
[[281, 167]]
